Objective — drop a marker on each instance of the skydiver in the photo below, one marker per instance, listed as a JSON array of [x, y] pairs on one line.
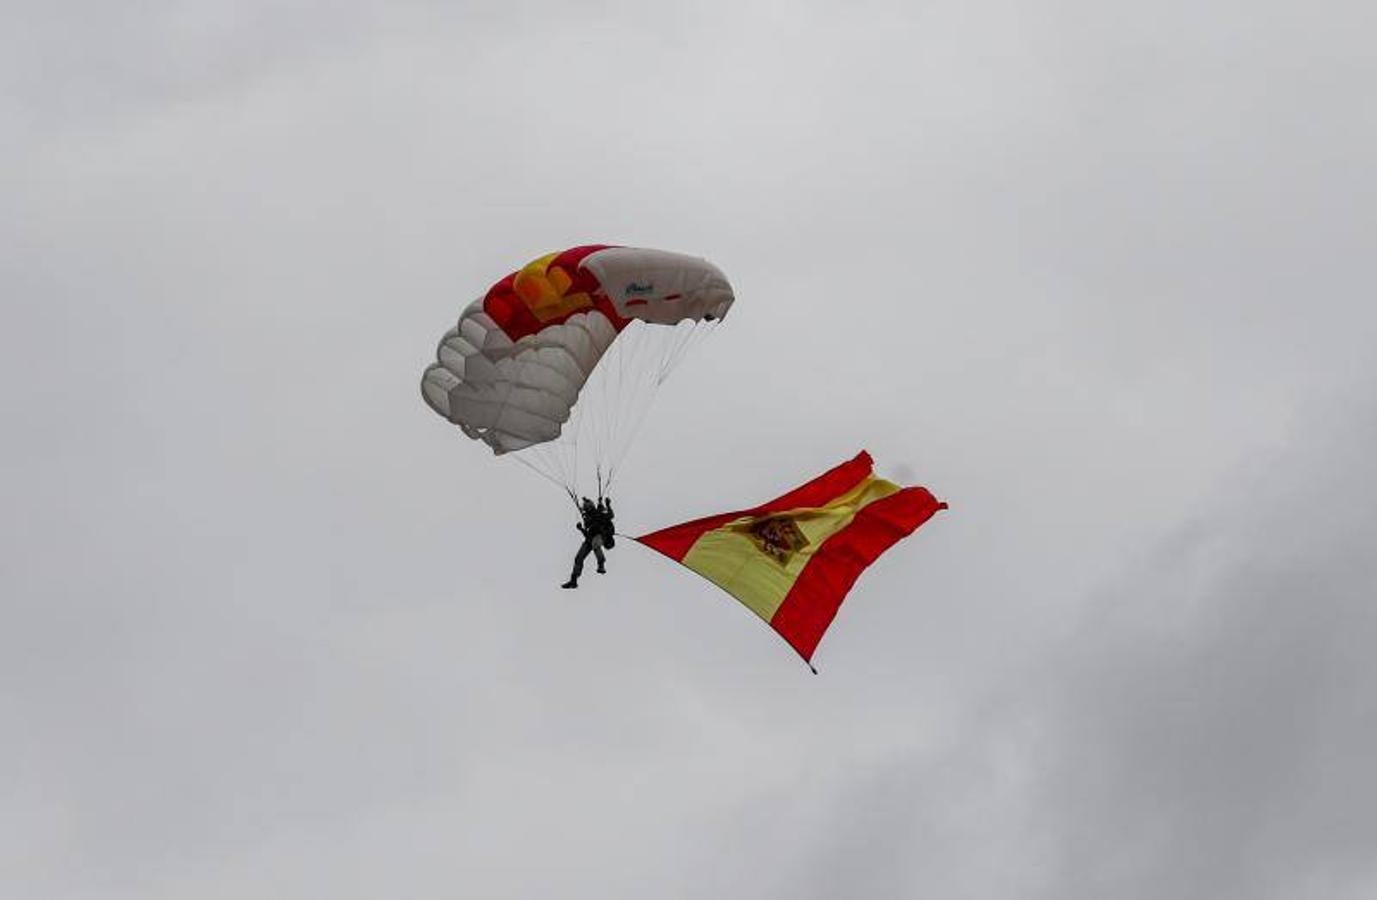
[[597, 530]]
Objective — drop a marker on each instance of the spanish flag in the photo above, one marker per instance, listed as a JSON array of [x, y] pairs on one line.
[[792, 560]]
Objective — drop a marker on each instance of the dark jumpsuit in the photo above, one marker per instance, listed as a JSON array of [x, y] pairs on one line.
[[597, 529]]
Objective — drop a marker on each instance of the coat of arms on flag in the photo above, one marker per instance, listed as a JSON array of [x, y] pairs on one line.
[[779, 537]]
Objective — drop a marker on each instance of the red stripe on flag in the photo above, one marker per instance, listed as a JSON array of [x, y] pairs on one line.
[[825, 488], [812, 603], [676, 541]]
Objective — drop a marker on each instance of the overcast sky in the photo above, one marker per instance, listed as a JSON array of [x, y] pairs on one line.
[[1100, 275]]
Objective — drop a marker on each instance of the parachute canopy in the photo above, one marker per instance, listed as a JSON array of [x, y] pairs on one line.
[[562, 357]]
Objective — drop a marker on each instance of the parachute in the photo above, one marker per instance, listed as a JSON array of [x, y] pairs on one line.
[[559, 362]]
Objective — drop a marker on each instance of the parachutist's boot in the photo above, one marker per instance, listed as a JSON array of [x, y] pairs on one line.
[[601, 570], [571, 583]]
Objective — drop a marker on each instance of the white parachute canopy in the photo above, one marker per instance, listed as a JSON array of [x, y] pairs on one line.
[[559, 363]]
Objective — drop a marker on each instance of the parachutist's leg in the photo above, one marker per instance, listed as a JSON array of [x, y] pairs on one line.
[[579, 557], [602, 561]]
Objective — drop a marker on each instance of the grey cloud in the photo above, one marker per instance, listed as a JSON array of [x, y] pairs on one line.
[[1213, 715], [1097, 276]]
